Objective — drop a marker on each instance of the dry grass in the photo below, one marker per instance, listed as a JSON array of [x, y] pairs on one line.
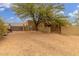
[[36, 43]]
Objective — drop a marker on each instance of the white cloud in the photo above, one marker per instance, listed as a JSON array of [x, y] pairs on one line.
[[5, 5], [1, 5], [11, 18], [77, 6], [61, 12], [2, 9], [73, 14]]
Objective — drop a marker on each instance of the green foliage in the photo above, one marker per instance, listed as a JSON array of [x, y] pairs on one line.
[[45, 13], [3, 28], [61, 20]]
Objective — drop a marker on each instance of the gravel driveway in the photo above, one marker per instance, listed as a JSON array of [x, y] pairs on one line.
[[36, 43]]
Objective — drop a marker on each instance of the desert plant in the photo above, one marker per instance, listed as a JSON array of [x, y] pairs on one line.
[[3, 28], [45, 13], [38, 12]]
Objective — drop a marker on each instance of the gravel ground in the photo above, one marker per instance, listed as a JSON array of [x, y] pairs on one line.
[[36, 43]]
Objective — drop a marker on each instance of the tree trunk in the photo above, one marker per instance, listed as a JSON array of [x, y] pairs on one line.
[[36, 27], [53, 28], [59, 28]]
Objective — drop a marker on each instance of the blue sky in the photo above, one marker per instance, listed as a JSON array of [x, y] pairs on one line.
[[70, 9], [9, 16]]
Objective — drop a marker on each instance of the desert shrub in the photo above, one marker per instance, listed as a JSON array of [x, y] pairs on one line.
[[3, 28]]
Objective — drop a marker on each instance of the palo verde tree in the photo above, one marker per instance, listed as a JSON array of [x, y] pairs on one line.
[[37, 12], [45, 13]]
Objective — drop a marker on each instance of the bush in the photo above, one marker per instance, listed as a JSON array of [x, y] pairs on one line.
[[3, 29]]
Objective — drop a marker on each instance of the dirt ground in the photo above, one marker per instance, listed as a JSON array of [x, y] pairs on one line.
[[36, 43]]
